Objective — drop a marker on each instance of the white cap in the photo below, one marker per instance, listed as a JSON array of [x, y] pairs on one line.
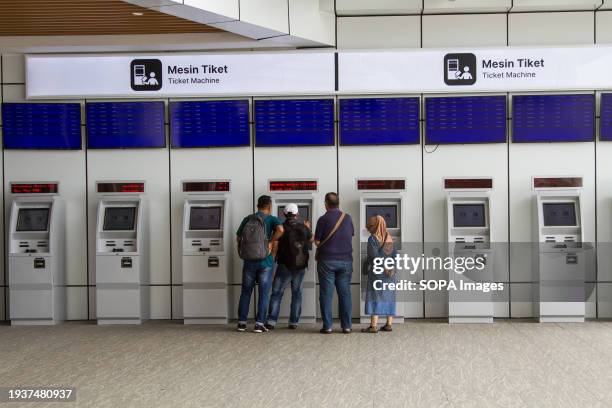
[[291, 209]]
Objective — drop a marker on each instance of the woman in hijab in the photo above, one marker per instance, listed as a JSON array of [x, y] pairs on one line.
[[379, 302]]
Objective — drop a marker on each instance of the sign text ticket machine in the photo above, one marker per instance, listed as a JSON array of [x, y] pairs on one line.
[[122, 257], [468, 232], [305, 194], [207, 244], [37, 254], [560, 259]]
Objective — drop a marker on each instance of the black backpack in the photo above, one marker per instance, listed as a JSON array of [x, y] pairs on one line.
[[293, 246], [253, 243]]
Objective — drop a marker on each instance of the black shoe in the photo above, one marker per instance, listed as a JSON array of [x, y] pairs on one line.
[[292, 326], [260, 329], [325, 331], [346, 331], [241, 327], [269, 327]]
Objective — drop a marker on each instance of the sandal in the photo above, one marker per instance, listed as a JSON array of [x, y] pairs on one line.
[[387, 328], [370, 329]]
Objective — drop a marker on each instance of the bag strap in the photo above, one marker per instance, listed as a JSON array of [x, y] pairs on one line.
[[333, 231]]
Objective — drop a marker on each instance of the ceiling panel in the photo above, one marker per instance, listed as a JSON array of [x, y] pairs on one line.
[[88, 17], [466, 6], [555, 5], [379, 7]]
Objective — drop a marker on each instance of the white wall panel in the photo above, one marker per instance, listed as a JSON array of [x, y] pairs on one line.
[[379, 32], [234, 164], [355, 162], [160, 302], [604, 26], [306, 20], [177, 302], [551, 5], [466, 6], [551, 28], [369, 7], [479, 160], [272, 14], [607, 5], [604, 210], [464, 30], [152, 166], [13, 68], [76, 303]]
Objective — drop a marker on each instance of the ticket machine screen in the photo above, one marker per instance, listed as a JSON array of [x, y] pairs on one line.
[[388, 212], [559, 214], [205, 218], [32, 219], [303, 212], [469, 215], [119, 218]]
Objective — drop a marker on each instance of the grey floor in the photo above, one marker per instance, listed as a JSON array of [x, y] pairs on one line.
[[420, 364]]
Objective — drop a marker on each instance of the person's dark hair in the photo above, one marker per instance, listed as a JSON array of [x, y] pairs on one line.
[[264, 201], [332, 200]]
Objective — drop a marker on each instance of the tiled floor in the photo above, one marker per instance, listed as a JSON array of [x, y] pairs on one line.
[[420, 364]]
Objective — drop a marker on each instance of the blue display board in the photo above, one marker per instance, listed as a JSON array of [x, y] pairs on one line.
[[209, 123], [41, 125], [117, 125], [372, 121], [553, 118], [605, 123], [294, 122], [465, 119]]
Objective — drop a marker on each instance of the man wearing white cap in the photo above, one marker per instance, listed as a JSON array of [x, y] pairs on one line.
[[292, 260]]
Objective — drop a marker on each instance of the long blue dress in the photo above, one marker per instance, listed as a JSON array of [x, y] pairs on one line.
[[378, 302]]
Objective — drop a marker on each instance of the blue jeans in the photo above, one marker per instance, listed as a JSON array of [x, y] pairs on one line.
[[250, 275], [281, 280], [336, 273]]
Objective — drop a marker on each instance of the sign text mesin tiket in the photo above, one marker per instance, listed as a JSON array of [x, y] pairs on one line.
[[501, 69], [192, 74]]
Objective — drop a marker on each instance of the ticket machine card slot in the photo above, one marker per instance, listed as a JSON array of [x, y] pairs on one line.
[[571, 259], [126, 262], [213, 262]]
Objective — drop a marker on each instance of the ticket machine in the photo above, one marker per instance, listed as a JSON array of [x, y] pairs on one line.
[[468, 231], [305, 194], [385, 198], [561, 251], [122, 258], [207, 243], [37, 264]]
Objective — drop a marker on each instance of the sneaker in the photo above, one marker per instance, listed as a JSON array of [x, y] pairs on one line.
[[292, 326], [241, 327], [269, 327], [346, 331], [325, 331], [260, 329]]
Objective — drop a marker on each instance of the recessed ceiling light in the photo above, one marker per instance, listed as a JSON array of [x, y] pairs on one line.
[[137, 13]]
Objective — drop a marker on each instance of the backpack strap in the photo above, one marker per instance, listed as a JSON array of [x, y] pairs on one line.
[[333, 231]]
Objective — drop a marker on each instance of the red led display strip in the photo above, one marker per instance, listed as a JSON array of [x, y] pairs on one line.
[[468, 183], [34, 188], [121, 187], [557, 182], [203, 186], [381, 184], [293, 185]]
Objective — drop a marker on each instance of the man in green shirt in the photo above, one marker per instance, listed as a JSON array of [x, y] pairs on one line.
[[260, 270]]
